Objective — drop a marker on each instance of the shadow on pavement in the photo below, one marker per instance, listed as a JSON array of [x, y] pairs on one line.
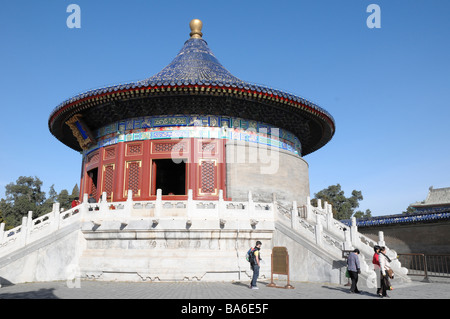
[[39, 294], [346, 290]]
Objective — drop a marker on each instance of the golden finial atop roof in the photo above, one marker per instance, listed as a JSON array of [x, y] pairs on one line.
[[196, 28]]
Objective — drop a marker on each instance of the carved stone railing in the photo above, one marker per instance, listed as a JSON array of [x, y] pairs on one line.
[[318, 225], [188, 213], [32, 230]]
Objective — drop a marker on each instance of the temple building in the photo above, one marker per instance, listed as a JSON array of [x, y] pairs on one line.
[[188, 168], [192, 126], [438, 200]]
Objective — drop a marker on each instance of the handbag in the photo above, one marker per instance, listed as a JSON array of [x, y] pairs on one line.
[[390, 273]]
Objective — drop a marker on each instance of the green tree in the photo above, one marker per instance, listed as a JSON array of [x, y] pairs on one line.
[[26, 195], [47, 206], [64, 199], [21, 197], [343, 207], [52, 194], [75, 192], [1, 217]]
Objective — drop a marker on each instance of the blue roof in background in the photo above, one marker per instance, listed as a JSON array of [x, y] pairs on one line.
[[429, 215]]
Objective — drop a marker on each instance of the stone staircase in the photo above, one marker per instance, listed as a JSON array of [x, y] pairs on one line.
[[329, 240]]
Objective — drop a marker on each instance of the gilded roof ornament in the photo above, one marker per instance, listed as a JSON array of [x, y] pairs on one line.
[[196, 28]]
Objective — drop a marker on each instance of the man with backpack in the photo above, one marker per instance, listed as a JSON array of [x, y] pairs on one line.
[[254, 259]]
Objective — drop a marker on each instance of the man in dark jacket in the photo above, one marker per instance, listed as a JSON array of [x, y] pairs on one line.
[[353, 269]]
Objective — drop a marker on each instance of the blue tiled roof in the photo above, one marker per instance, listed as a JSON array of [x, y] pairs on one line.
[[195, 64], [429, 216]]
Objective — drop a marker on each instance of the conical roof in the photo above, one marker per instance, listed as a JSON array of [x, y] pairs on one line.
[[194, 64], [195, 72]]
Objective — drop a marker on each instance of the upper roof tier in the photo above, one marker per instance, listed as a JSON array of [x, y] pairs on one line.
[[194, 83]]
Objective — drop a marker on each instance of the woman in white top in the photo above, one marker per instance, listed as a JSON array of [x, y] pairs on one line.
[[384, 266]]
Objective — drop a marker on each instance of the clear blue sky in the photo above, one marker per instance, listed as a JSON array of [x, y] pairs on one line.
[[388, 89]]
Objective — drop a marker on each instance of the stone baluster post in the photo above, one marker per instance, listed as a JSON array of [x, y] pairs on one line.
[[23, 231], [308, 212], [29, 226], [354, 232], [221, 204], [190, 205], [56, 216], [104, 203], [318, 230], [251, 211], [329, 216], [26, 228], [294, 215], [347, 241], [84, 207], [381, 241], [158, 203], [251, 205], [129, 203]]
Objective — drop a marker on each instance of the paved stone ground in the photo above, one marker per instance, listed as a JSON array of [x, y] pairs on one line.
[[215, 290]]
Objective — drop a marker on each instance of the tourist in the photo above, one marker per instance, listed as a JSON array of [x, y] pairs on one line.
[[376, 267], [353, 270], [91, 199], [75, 202], [255, 264], [384, 266]]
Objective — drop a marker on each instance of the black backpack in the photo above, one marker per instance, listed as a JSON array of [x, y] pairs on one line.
[[250, 256]]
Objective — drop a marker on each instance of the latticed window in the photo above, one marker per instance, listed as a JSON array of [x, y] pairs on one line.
[[209, 147], [169, 147], [208, 176], [108, 178], [110, 153], [134, 149], [133, 177], [93, 187]]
